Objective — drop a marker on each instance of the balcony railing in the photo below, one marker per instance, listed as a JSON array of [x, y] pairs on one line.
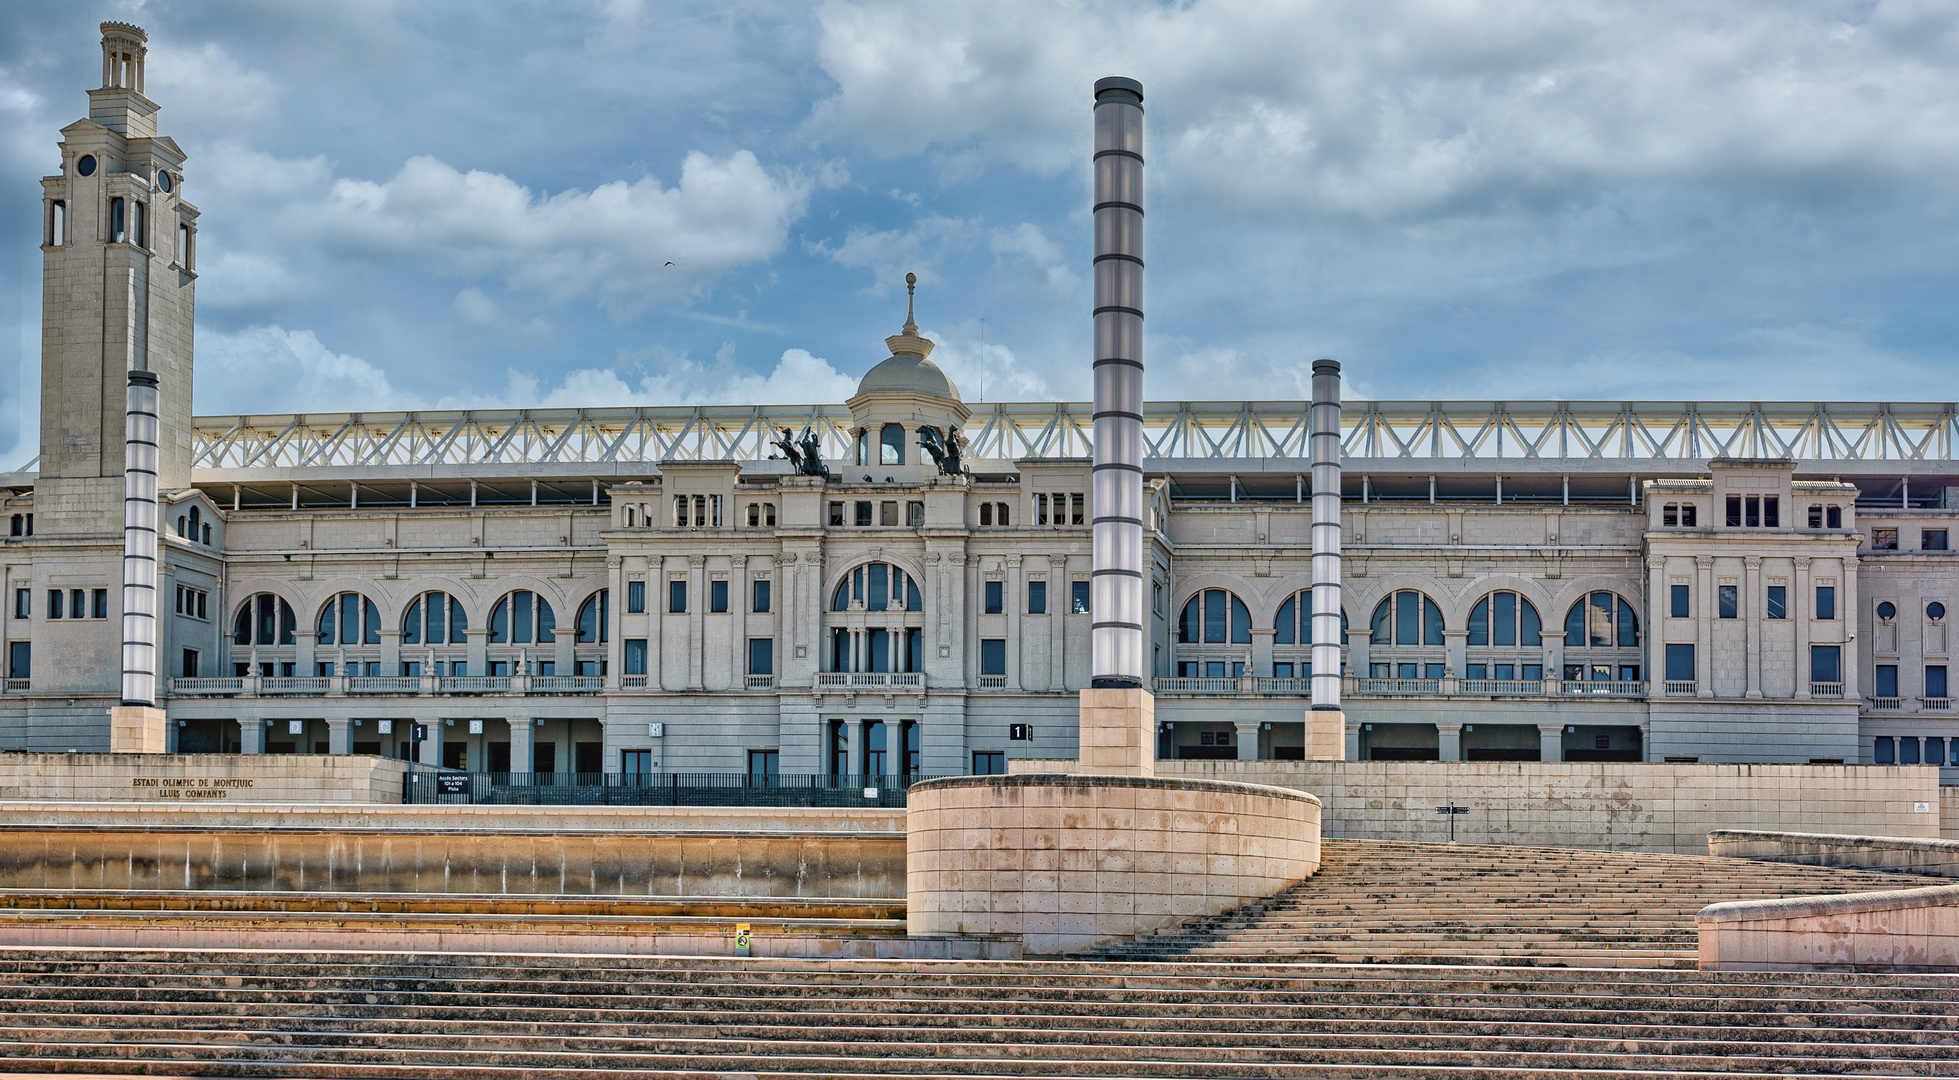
[[1935, 704], [396, 685], [1680, 687], [1351, 686], [19, 686], [1886, 704], [632, 682], [992, 682], [1826, 689], [758, 682], [870, 680]]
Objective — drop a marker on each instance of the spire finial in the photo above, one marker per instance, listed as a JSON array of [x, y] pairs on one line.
[[911, 290]]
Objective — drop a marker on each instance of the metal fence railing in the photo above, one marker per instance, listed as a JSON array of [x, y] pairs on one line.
[[428, 784]]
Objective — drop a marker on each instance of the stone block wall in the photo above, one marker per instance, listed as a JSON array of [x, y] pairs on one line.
[[174, 780], [1618, 806], [1069, 862], [1900, 930]]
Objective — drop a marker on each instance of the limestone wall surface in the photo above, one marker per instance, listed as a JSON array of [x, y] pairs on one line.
[[1616, 806], [429, 817], [1069, 862], [482, 861], [174, 780], [1939, 858], [1949, 812], [1898, 930]]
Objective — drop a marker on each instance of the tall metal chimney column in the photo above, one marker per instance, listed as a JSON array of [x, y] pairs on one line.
[[139, 537], [1326, 725], [1117, 593]]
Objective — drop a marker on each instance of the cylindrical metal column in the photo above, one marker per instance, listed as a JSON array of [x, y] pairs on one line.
[[1325, 448], [1117, 596], [139, 539]]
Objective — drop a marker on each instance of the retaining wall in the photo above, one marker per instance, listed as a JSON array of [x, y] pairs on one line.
[[173, 780], [1615, 806], [561, 862], [1068, 862], [1938, 858], [1899, 930], [549, 819]]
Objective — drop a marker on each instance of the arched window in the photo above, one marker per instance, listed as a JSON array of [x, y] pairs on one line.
[[1505, 618], [881, 587], [1215, 616], [196, 523], [183, 527], [595, 619], [521, 618], [891, 445], [1601, 620], [434, 618], [1407, 618], [264, 619], [350, 619], [1295, 622]]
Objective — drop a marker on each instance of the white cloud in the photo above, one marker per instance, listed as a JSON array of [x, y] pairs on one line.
[[995, 372], [798, 378], [208, 91], [269, 369], [1028, 243], [475, 309], [614, 243], [1413, 109], [892, 253]]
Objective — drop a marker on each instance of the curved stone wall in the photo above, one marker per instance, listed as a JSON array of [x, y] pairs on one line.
[[1070, 862]]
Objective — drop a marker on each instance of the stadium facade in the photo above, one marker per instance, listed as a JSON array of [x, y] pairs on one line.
[[901, 583]]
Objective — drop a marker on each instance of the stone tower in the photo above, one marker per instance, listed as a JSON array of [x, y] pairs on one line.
[[119, 249]]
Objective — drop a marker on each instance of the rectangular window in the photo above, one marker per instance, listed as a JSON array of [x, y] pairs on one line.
[[995, 598], [635, 656], [635, 597], [143, 225], [1734, 511], [1754, 511], [1884, 539], [1680, 663], [1815, 517], [1883, 750], [1040, 509], [764, 764], [1778, 602], [1682, 606], [993, 656], [717, 596], [761, 598], [57, 603], [1887, 681], [1730, 602], [863, 513], [20, 655], [183, 246], [118, 231], [1908, 750], [1772, 512], [1037, 598], [1075, 515], [23, 603], [1825, 663], [836, 514], [1932, 540], [915, 514], [1935, 685], [676, 597], [99, 604], [989, 763], [887, 513], [1081, 595], [57, 223], [761, 656], [1689, 514], [1670, 515], [1826, 603]]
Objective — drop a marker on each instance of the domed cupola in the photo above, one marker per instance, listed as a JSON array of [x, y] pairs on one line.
[[901, 395]]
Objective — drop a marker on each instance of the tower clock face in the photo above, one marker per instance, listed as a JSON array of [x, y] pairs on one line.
[[86, 166]]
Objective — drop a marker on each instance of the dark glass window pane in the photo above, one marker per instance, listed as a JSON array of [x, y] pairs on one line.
[[1407, 618], [995, 597], [993, 656], [676, 596], [1601, 618], [1882, 751], [1825, 663], [1503, 618], [1730, 602], [1734, 511], [1680, 663], [1935, 681], [520, 617], [1383, 616], [1037, 598], [1887, 681], [1479, 623], [717, 596], [1681, 607], [635, 596], [1241, 622], [1778, 606], [1826, 602], [1530, 630], [1217, 616], [762, 597], [1574, 626], [1081, 596], [635, 656], [1287, 624], [877, 590]]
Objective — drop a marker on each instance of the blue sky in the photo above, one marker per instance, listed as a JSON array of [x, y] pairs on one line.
[[447, 205]]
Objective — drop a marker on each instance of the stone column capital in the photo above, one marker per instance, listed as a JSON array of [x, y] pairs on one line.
[[697, 561]]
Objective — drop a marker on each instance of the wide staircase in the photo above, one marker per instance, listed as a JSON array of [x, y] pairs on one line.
[[507, 1017], [1389, 902]]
